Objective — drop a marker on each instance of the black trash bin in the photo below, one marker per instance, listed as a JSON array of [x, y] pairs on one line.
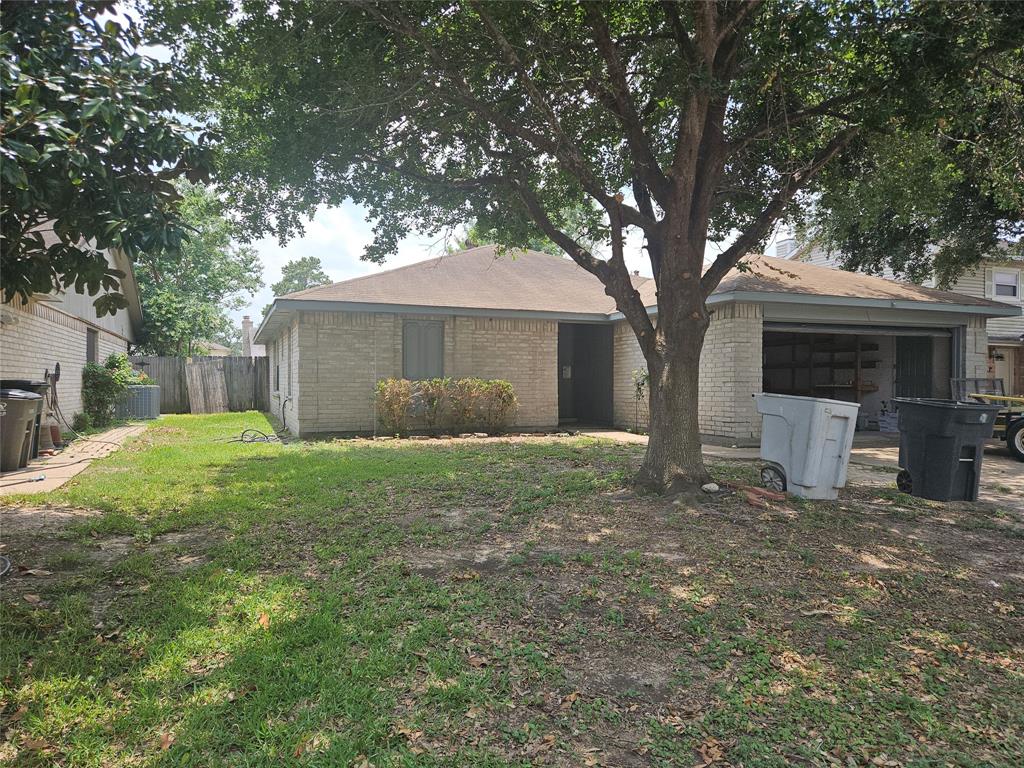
[[941, 446], [40, 388], [20, 408]]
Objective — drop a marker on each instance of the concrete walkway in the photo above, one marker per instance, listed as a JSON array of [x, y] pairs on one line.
[[47, 473], [875, 461]]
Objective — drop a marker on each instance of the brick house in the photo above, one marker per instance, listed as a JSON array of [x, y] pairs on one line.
[[546, 325], [62, 328]]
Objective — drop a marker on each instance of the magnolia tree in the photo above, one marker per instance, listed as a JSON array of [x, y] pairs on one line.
[[90, 144], [691, 122]]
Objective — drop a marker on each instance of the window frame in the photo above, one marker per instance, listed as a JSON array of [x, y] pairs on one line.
[[1006, 272]]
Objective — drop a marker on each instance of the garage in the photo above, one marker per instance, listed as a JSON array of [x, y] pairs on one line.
[[869, 365]]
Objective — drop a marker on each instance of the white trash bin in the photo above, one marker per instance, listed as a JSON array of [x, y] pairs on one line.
[[806, 442]]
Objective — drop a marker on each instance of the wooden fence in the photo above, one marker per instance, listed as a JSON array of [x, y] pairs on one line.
[[209, 384]]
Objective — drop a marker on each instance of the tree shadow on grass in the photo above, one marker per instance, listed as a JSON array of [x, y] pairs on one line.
[[279, 632]]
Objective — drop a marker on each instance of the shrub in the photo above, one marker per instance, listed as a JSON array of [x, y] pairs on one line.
[[103, 384], [434, 405], [394, 403], [81, 422]]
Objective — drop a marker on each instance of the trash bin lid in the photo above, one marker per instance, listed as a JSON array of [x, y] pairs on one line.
[[28, 384], [19, 394]]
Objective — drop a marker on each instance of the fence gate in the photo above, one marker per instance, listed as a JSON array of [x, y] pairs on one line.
[[209, 384]]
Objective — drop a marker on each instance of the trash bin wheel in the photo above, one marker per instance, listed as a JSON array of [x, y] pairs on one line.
[[1015, 439], [904, 481], [773, 478]]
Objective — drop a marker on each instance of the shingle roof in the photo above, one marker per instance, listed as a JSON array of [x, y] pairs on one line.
[[771, 275], [484, 278], [478, 278]]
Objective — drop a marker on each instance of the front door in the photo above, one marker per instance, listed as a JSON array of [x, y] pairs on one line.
[[914, 366], [1001, 361]]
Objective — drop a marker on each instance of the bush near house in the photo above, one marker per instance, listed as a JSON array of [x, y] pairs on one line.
[[445, 405], [103, 384]]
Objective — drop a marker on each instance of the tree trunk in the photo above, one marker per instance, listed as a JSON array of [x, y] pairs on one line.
[[673, 462]]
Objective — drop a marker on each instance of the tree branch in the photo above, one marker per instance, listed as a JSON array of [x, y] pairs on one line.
[[760, 226], [686, 47], [737, 19], [563, 149], [613, 274], [640, 147], [824, 109]]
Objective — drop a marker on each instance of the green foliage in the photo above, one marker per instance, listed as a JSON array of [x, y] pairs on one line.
[[90, 144], [103, 384], [932, 201], [452, 405], [186, 295], [298, 275], [418, 111], [82, 422]]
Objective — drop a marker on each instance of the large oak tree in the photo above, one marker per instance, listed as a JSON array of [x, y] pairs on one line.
[[692, 122]]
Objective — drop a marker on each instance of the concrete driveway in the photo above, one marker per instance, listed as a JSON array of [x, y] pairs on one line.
[[875, 461]]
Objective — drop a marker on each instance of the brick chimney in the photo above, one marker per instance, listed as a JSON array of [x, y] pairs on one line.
[[247, 336]]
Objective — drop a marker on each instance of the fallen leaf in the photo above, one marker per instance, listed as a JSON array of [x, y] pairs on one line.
[[166, 739], [18, 713], [32, 599], [34, 743], [478, 661], [37, 572], [264, 620]]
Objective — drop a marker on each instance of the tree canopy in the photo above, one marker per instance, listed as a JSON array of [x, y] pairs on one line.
[[90, 145], [298, 275], [932, 201], [187, 294], [691, 122]]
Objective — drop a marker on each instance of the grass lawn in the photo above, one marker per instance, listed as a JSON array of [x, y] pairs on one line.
[[490, 603]]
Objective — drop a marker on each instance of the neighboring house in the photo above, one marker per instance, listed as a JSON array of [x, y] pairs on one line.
[[249, 346], [212, 349], [546, 325], [998, 279], [62, 328]]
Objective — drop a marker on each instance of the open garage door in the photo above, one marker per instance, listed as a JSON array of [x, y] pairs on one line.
[[869, 365]]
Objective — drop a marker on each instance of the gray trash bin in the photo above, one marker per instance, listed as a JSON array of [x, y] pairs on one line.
[[806, 442], [17, 425]]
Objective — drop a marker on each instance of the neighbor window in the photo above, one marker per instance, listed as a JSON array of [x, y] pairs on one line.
[[423, 349], [1006, 283], [92, 340]]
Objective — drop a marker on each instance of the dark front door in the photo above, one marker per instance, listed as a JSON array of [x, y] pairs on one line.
[[913, 366]]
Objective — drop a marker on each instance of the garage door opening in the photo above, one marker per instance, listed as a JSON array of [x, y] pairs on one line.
[[866, 368]]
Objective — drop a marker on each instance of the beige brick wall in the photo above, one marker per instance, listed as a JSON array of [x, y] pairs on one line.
[[627, 358], [35, 337], [337, 358], [730, 373]]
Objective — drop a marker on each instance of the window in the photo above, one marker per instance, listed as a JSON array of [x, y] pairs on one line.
[[275, 350], [422, 349], [1006, 283], [92, 340]]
